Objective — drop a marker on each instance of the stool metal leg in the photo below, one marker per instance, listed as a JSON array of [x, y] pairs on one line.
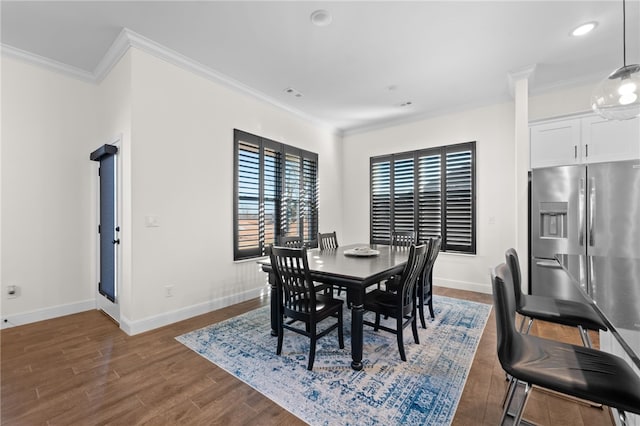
[[622, 416], [527, 392], [584, 335]]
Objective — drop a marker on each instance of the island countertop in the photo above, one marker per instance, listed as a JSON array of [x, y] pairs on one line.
[[612, 284]]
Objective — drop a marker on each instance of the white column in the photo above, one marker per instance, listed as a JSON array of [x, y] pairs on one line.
[[519, 83]]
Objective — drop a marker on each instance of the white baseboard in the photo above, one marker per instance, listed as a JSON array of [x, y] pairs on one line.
[[463, 285], [140, 326], [47, 313]]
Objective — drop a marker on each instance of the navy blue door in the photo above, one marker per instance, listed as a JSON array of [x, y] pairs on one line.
[[107, 228]]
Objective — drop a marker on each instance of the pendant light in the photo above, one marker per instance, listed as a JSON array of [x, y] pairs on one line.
[[617, 97]]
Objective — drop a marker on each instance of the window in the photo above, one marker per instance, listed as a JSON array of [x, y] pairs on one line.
[[431, 192], [275, 194]]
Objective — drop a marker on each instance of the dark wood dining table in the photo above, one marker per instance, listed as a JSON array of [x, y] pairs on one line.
[[354, 274]]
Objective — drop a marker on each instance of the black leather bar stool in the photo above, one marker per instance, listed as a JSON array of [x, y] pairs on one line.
[[569, 369], [559, 311]]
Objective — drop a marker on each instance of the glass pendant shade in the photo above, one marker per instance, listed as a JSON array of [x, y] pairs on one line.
[[617, 97]]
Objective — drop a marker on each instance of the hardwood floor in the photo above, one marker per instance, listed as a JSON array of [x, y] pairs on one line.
[[82, 369]]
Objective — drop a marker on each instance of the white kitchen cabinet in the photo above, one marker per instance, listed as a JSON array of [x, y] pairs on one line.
[[555, 143], [583, 140], [607, 140]]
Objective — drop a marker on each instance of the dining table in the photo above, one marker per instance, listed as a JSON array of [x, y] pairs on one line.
[[354, 268]]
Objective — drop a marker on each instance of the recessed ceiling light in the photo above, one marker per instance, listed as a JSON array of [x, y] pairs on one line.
[[405, 104], [321, 18], [293, 92], [584, 29]]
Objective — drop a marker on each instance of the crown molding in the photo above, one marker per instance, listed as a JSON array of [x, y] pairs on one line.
[[50, 64], [127, 39]]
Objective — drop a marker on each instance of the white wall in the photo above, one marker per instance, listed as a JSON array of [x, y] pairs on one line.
[[568, 101], [47, 121], [182, 173], [493, 130]]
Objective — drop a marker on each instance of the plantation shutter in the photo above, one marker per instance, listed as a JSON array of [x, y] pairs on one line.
[[403, 194], [380, 200], [247, 198], [276, 194], [460, 199], [309, 197], [429, 195], [431, 192]]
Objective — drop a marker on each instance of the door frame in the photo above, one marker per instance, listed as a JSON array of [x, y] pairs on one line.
[[112, 309]]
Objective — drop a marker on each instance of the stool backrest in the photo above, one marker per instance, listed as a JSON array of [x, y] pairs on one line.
[[513, 263], [505, 307]]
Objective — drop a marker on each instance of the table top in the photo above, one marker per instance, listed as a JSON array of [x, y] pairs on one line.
[[363, 270], [613, 285]]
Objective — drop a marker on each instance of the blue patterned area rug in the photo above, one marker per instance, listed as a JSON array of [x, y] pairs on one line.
[[425, 390]]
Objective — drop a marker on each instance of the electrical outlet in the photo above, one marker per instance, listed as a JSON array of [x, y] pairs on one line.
[[12, 291], [168, 291]]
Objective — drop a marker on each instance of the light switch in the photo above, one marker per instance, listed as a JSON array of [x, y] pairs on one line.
[[151, 221]]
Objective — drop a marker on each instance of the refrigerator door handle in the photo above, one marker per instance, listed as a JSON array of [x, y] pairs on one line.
[[592, 209], [581, 213]]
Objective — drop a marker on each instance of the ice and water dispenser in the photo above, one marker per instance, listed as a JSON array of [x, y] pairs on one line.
[[553, 219]]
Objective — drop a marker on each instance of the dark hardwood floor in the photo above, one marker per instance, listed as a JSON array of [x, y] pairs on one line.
[[82, 369]]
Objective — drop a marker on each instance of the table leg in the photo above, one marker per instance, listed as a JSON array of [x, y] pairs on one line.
[[357, 312], [274, 305]]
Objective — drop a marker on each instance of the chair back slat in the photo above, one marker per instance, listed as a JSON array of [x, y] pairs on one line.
[[402, 238], [327, 241], [295, 242], [294, 284], [432, 254]]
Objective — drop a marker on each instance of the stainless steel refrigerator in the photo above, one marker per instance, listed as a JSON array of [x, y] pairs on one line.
[[591, 210]]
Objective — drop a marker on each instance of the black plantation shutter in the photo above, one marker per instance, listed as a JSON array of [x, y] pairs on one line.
[[247, 199], [459, 193], [309, 197], [429, 195], [276, 194], [380, 200], [403, 194], [431, 192]]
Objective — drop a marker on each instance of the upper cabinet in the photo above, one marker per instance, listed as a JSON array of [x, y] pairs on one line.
[[582, 140]]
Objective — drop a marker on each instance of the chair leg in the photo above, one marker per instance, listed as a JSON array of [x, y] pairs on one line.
[[414, 328], [421, 308], [376, 327], [280, 334], [340, 332], [431, 308], [622, 417], [584, 335], [312, 348], [511, 390], [400, 338], [525, 398], [506, 391]]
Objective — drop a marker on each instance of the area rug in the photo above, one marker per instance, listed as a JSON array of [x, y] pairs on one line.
[[425, 390]]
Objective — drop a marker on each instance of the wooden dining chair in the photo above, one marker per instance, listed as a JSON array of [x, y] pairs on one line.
[[425, 285], [400, 305], [402, 238], [327, 241], [299, 301], [294, 242]]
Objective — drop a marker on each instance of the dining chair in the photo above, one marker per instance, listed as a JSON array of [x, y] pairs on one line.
[[399, 240], [402, 238], [559, 311], [400, 305], [295, 242], [425, 285], [327, 241], [298, 300], [572, 370]]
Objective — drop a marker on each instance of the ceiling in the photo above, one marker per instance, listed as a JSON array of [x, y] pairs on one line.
[[357, 72]]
